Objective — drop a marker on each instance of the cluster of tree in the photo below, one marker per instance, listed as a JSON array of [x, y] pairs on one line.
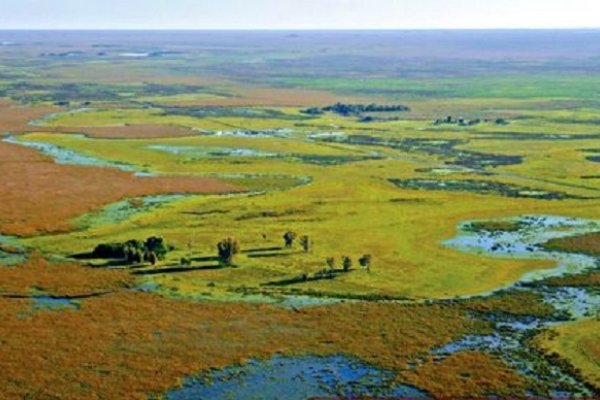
[[449, 120], [326, 273], [347, 263], [229, 247], [355, 109], [134, 251], [290, 236]]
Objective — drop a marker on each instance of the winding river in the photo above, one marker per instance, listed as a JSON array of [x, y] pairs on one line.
[[510, 340]]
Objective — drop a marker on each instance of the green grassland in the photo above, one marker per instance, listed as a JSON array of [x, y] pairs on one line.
[[347, 207]]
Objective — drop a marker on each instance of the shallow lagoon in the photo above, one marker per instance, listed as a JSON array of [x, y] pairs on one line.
[[525, 243], [41, 303], [294, 378], [123, 210]]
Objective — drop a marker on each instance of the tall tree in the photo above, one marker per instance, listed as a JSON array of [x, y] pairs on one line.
[[305, 243], [227, 249], [365, 262], [289, 238], [346, 263]]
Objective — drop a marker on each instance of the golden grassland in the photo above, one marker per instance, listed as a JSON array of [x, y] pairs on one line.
[[16, 117], [130, 344], [67, 280], [39, 195], [473, 374], [513, 302]]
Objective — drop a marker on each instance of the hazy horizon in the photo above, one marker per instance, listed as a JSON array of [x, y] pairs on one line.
[[363, 30], [299, 15]]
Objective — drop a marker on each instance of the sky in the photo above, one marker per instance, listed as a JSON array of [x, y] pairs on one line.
[[298, 14]]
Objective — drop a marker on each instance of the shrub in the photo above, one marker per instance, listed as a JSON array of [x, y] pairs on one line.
[[330, 262]]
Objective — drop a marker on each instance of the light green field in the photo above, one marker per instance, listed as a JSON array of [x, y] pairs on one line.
[[579, 343], [347, 209]]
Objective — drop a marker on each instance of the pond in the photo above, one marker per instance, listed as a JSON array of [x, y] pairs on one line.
[[294, 378], [47, 303]]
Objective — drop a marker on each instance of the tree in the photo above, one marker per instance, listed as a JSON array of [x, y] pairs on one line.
[[227, 249], [365, 262], [346, 263], [129, 255], [289, 238], [331, 262], [305, 243], [151, 257], [157, 246], [137, 257]]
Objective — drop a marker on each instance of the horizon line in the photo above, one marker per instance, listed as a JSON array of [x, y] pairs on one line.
[[99, 29]]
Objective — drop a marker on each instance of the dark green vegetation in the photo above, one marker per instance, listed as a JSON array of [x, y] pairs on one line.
[[449, 120], [585, 244], [495, 226], [482, 187], [84, 94], [132, 251], [436, 147], [227, 249]]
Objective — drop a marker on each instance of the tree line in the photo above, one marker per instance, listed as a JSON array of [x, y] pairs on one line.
[[355, 109]]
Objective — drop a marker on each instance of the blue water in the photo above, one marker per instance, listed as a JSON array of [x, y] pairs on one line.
[[54, 303], [294, 378], [71, 157], [511, 335], [120, 211], [525, 243], [210, 151]]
